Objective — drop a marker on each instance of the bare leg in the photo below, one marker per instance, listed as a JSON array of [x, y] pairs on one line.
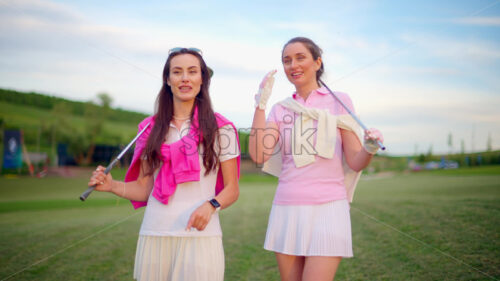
[[291, 267], [320, 268]]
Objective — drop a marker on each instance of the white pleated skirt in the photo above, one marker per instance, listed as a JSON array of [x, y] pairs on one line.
[[310, 230], [170, 258]]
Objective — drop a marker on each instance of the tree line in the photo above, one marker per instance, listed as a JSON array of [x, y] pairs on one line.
[[79, 125], [77, 108]]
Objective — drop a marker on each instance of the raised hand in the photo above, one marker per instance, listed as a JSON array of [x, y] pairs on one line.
[[265, 90]]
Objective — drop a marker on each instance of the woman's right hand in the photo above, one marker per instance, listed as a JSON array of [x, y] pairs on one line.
[[102, 181], [265, 89]]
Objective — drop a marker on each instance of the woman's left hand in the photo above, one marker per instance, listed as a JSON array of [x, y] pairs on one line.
[[372, 137], [265, 89], [200, 217]]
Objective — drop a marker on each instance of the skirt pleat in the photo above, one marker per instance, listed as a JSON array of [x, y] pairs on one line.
[[179, 258], [310, 230]]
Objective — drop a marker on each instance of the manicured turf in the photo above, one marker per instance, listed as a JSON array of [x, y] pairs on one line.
[[424, 226]]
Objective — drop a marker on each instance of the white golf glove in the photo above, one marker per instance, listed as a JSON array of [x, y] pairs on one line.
[[265, 89], [372, 136]]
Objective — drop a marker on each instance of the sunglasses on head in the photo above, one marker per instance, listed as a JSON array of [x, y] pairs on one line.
[[178, 49]]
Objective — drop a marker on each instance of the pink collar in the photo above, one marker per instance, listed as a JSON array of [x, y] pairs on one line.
[[322, 91]]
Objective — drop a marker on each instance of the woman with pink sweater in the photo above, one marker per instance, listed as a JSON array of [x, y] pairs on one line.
[[316, 148], [184, 170]]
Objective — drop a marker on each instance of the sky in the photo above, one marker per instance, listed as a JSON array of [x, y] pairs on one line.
[[419, 71]]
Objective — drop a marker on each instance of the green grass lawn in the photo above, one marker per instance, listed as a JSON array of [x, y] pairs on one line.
[[424, 226]]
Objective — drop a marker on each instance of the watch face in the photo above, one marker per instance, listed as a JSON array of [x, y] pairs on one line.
[[215, 203]]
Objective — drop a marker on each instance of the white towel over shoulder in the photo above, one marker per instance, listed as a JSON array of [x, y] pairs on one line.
[[303, 154]]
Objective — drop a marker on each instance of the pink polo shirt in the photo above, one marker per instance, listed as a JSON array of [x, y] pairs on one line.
[[321, 181]]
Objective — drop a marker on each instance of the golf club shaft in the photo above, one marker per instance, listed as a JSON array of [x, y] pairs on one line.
[[380, 144], [110, 166]]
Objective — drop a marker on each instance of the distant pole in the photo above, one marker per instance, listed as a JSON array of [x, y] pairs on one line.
[[39, 133], [27, 156], [489, 145], [3, 139], [54, 153], [472, 138], [38, 139], [450, 143]]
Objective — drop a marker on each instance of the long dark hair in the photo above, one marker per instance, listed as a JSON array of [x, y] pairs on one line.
[[164, 111], [315, 50]]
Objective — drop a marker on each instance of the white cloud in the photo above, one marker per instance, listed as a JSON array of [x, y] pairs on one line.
[[483, 21], [52, 48], [417, 70], [304, 27], [456, 49], [40, 9]]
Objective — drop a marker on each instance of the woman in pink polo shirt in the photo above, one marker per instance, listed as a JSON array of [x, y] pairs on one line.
[[309, 225], [185, 169]]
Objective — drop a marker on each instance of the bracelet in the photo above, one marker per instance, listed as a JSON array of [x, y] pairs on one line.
[[124, 189]]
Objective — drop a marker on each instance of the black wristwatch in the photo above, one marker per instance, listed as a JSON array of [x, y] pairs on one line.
[[215, 204]]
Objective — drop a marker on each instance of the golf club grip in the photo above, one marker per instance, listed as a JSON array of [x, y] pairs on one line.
[[87, 193], [90, 189]]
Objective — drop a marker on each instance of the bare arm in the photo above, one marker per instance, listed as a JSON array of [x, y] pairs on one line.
[[263, 137], [231, 190], [138, 190], [356, 156]]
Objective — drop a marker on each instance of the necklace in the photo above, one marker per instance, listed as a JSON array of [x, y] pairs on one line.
[[181, 118]]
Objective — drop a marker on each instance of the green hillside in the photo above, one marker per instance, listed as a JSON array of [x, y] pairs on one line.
[[44, 118], [76, 108], [32, 119], [46, 121]]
